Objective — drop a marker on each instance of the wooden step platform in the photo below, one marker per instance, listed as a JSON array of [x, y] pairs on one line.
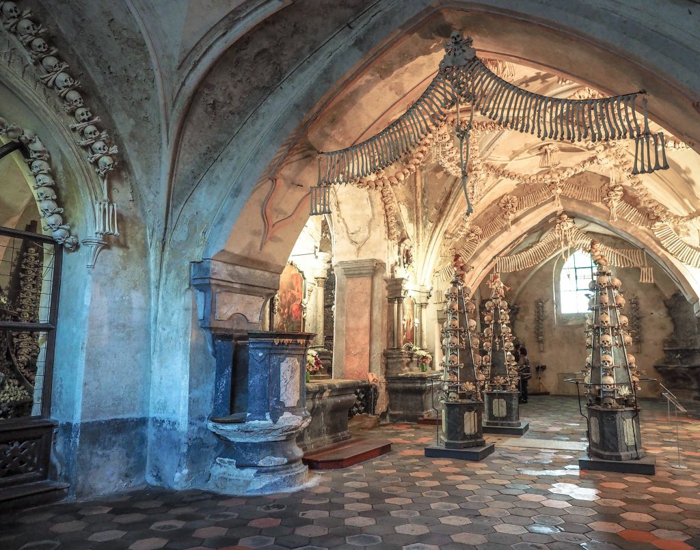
[[346, 453], [32, 494]]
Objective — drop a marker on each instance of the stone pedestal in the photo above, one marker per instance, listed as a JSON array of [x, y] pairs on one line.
[[502, 413], [614, 434], [411, 395], [328, 403], [462, 434], [260, 454]]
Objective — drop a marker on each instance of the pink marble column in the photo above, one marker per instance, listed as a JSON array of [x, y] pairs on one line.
[[359, 331]]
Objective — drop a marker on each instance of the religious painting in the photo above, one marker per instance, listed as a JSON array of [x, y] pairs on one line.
[[289, 309], [408, 321]]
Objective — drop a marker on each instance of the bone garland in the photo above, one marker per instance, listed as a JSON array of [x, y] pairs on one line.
[[679, 249], [466, 78], [43, 187], [101, 154]]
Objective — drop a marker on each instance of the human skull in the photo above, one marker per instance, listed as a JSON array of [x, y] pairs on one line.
[[452, 305], [620, 300], [64, 80], [589, 342], [489, 304], [13, 132], [616, 283], [602, 279], [624, 321], [472, 325], [48, 207], [90, 131], [604, 320], [591, 302], [74, 99], [83, 114], [454, 322], [100, 148], [508, 346], [603, 300], [105, 164], [606, 360], [486, 359], [488, 331], [509, 357], [475, 342], [505, 318], [607, 379], [49, 63], [39, 45], [26, 26], [54, 221], [471, 308], [627, 339], [506, 331], [631, 359], [606, 340], [452, 360], [602, 261], [591, 285], [10, 10], [46, 193], [488, 318], [44, 180], [487, 345], [40, 167], [477, 359]]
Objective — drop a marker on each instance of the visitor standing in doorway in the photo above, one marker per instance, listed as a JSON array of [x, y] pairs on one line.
[[525, 374]]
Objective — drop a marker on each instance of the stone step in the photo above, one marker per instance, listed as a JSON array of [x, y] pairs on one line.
[[346, 453], [32, 494]]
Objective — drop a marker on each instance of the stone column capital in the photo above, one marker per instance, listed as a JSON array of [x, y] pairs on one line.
[[396, 288], [359, 268]]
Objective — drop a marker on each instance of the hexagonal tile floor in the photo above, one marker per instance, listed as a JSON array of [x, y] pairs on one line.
[[518, 498]]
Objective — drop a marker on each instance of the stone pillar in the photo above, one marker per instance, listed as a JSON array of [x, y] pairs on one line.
[[421, 299], [318, 303], [396, 292], [359, 319]]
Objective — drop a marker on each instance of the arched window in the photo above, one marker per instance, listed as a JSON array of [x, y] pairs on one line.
[[573, 282]]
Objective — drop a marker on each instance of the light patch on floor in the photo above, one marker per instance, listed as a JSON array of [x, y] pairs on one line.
[[545, 444]]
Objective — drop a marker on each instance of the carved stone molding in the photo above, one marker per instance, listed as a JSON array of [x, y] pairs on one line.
[[53, 75], [358, 268]]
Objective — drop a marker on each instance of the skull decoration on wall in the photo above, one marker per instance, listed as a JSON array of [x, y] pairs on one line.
[[40, 167], [44, 180], [83, 114]]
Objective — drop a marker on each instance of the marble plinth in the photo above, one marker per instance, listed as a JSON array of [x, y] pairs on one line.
[[472, 453], [643, 466], [328, 403], [501, 410], [614, 434], [411, 396], [461, 424]]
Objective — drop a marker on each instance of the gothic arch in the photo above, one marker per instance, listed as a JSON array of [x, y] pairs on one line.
[[483, 259]]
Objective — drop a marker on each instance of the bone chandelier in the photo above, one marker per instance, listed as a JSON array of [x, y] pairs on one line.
[[464, 78]]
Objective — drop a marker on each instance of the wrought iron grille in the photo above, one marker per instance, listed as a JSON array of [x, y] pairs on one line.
[[365, 400], [29, 265]]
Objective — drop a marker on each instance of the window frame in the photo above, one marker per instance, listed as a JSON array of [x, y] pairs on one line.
[[560, 287]]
